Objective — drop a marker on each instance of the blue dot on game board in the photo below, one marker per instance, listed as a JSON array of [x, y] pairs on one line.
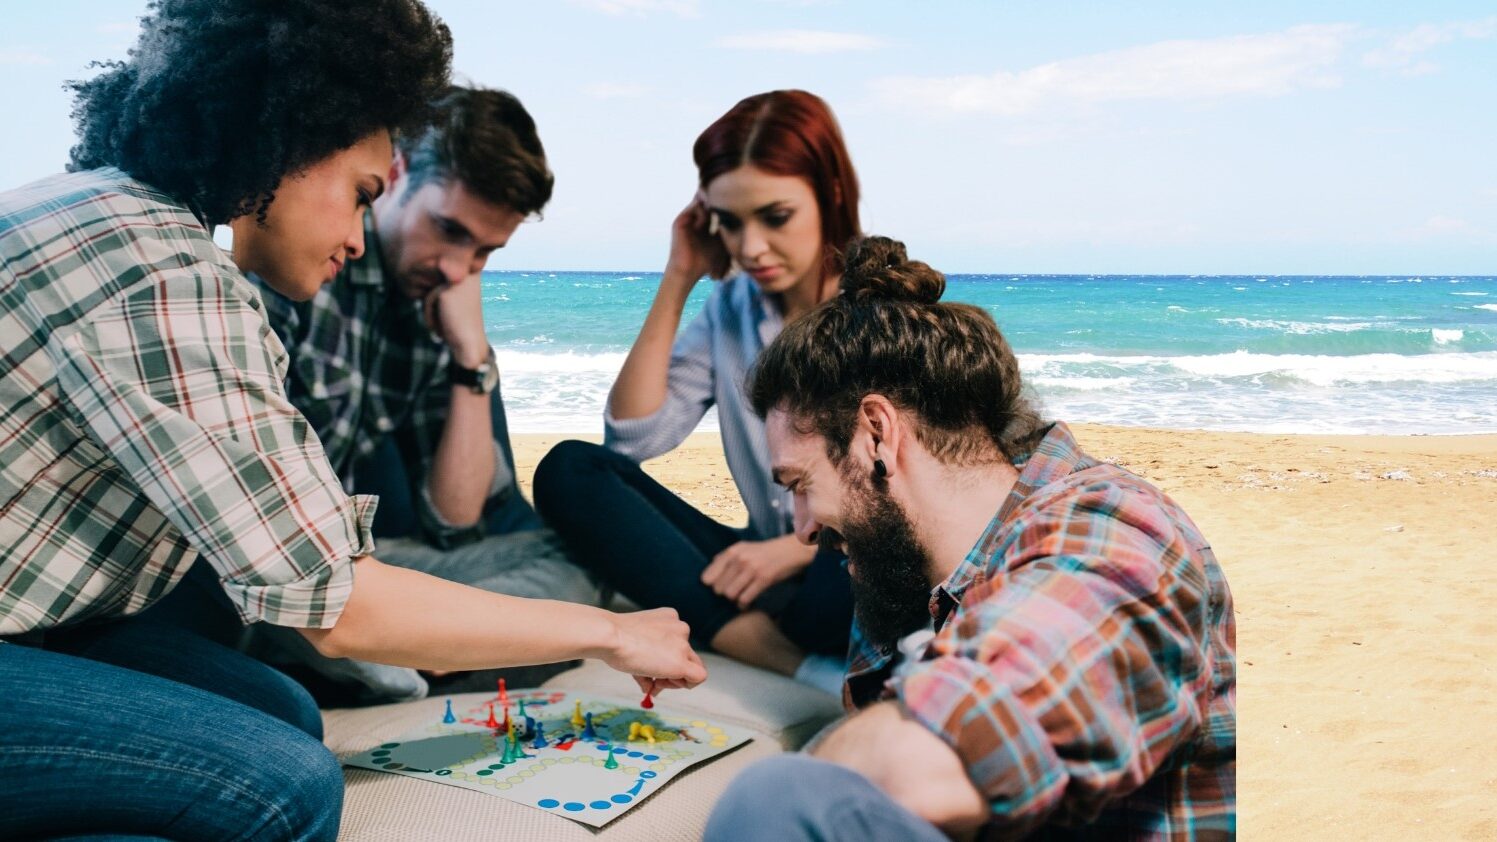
[[549, 803], [647, 774], [574, 806], [636, 754], [620, 750], [602, 746], [622, 799], [652, 757], [600, 805]]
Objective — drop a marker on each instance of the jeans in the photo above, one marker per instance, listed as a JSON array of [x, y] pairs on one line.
[[794, 797], [652, 547], [146, 726]]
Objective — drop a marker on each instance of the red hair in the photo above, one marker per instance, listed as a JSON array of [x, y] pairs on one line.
[[789, 133]]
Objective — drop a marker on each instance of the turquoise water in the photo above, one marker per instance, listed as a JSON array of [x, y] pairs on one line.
[[1257, 353]]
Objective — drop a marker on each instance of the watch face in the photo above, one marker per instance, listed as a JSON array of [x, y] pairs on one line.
[[489, 375]]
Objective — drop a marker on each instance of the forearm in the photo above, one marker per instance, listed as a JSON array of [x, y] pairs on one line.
[[405, 618], [462, 470], [913, 766], [640, 388]]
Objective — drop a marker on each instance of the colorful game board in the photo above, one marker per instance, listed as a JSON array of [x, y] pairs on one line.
[[588, 758]]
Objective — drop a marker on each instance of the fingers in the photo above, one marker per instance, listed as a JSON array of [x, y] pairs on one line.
[[429, 306], [750, 593]]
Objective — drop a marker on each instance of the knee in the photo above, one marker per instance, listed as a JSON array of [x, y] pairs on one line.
[[561, 469], [309, 792], [771, 797]]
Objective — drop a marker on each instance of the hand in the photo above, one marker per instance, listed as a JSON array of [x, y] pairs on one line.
[[455, 313], [655, 647], [694, 252], [746, 569]]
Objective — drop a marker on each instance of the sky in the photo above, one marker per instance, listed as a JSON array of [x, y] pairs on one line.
[[1017, 137]]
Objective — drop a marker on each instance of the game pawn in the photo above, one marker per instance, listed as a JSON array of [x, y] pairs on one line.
[[588, 734], [540, 736], [612, 762], [577, 720], [448, 718]]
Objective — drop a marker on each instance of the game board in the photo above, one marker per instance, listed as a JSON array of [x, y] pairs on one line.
[[591, 774]]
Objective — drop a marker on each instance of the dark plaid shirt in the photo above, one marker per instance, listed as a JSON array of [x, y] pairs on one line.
[[143, 423], [364, 366], [1083, 666]]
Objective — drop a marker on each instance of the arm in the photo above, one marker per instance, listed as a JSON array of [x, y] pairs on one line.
[[406, 618], [640, 389], [908, 762], [461, 473], [744, 570]]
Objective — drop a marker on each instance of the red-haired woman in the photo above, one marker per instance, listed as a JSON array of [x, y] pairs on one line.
[[778, 200]]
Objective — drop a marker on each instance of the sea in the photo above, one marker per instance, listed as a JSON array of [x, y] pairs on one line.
[[1405, 355]]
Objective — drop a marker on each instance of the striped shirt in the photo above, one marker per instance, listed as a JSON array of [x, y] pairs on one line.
[[1083, 666], [710, 363], [363, 366], [143, 423]]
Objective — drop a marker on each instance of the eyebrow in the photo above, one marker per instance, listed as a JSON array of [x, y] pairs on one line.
[[455, 226], [769, 207], [379, 186]]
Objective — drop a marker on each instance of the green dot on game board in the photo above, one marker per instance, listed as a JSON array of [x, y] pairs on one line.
[[485, 771], [390, 745]]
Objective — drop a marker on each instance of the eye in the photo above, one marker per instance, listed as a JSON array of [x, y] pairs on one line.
[[365, 198], [777, 218]]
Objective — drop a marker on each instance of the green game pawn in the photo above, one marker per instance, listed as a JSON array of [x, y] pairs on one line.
[[509, 752], [612, 762]]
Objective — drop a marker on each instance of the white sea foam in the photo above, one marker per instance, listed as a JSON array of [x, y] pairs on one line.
[[1314, 369], [1469, 293], [1445, 337], [1485, 307], [1301, 328]]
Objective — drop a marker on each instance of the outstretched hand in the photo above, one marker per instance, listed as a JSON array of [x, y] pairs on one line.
[[655, 647]]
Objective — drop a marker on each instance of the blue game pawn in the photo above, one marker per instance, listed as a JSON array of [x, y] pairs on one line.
[[448, 718], [588, 733], [530, 726], [540, 736]]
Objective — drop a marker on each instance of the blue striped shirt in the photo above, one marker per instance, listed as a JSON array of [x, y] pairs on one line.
[[709, 364]]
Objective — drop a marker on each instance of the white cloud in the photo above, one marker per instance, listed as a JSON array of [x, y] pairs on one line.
[[1243, 65], [1405, 52], [615, 90], [30, 57], [680, 8], [807, 41]]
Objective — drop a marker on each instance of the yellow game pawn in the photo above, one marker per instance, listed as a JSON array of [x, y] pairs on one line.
[[577, 720], [648, 732], [633, 731]]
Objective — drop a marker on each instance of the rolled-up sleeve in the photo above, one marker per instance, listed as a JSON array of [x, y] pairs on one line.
[[688, 395], [180, 382], [1074, 674]]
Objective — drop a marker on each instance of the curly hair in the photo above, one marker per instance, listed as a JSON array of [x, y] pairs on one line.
[[889, 333], [221, 99], [487, 140]]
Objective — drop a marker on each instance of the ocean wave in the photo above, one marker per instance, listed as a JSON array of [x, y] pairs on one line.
[[1339, 325], [1446, 337], [1309, 369], [1485, 307], [1469, 293], [569, 362]]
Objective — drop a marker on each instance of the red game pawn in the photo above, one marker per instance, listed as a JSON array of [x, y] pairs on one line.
[[503, 695], [647, 703], [494, 723]]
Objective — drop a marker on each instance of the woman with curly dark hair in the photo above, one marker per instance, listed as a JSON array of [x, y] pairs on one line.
[[144, 431]]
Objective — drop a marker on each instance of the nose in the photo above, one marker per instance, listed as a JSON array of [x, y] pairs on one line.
[[354, 243], [455, 267], [753, 243], [807, 528]]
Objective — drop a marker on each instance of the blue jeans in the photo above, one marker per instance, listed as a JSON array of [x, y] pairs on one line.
[[148, 727], [796, 797]]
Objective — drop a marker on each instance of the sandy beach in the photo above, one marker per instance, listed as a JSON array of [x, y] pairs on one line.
[[1362, 569]]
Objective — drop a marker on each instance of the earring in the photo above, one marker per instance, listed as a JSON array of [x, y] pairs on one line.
[[879, 470]]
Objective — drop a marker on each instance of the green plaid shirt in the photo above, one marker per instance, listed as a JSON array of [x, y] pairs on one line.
[[143, 422], [364, 366]]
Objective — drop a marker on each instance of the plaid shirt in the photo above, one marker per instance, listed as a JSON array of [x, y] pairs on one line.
[[142, 422], [363, 366], [1083, 666]]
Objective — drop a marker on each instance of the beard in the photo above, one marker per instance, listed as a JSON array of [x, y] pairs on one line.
[[890, 585]]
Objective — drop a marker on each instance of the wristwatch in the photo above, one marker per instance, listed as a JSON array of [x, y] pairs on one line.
[[481, 380]]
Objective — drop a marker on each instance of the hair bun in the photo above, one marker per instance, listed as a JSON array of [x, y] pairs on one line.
[[877, 269]]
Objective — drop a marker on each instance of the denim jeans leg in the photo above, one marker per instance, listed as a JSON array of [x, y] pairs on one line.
[[88, 748], [795, 797]]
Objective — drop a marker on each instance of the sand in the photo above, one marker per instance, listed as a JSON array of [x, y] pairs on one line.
[[1364, 570]]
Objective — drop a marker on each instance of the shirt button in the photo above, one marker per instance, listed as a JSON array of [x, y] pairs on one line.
[[774, 504]]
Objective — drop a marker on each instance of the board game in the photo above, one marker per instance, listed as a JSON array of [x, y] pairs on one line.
[[588, 758]]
